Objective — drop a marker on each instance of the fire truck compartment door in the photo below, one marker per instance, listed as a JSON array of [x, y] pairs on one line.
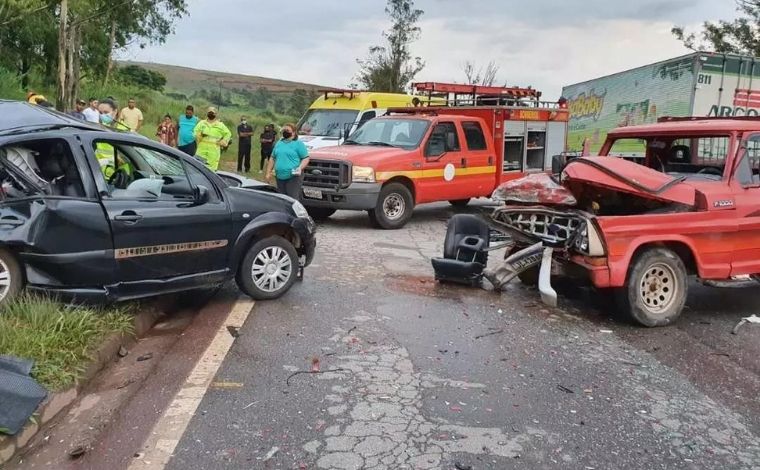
[[555, 141]]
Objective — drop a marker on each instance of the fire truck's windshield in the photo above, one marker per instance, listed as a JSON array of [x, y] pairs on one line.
[[389, 132], [326, 122]]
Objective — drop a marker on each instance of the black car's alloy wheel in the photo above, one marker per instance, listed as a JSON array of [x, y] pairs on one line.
[[269, 268]]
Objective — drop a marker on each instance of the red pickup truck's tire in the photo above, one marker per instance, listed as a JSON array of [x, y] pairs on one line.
[[11, 277], [656, 288], [394, 207], [269, 269], [320, 213]]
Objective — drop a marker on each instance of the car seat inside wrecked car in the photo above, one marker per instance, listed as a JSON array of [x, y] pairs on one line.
[[47, 164]]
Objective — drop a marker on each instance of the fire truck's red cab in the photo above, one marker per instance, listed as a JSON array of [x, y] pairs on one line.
[[462, 145]]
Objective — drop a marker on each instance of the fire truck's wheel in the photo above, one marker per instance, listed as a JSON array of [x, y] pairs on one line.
[[320, 213], [394, 207], [529, 277], [459, 203], [656, 288]]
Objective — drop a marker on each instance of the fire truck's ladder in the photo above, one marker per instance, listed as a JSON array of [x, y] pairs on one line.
[[454, 94]]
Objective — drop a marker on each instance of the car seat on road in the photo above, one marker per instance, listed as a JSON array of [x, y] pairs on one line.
[[465, 251]]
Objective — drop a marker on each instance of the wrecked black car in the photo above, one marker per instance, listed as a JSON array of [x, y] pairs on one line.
[[93, 214]]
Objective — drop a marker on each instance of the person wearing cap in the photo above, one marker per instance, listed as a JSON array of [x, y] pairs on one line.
[[212, 136], [186, 131], [78, 112]]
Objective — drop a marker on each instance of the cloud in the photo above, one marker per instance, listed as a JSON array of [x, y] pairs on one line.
[[546, 43]]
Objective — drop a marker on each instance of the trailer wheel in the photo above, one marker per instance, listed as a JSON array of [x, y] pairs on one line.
[[656, 288], [394, 207]]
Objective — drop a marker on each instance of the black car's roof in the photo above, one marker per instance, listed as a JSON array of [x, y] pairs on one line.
[[21, 116]]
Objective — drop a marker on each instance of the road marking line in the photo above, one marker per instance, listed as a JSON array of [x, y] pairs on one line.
[[167, 432]]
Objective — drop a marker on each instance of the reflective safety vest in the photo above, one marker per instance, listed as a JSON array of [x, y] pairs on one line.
[[106, 155]]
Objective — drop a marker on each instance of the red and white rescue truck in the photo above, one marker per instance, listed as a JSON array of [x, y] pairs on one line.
[[478, 138]]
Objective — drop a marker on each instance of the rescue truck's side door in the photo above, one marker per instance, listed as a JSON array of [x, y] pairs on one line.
[[444, 159]]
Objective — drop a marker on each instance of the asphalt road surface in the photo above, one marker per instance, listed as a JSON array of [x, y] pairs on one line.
[[415, 375]]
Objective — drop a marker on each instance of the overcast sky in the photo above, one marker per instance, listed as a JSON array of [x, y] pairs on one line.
[[543, 43]]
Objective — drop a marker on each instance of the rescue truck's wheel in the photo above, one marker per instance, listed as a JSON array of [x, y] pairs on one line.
[[320, 213], [655, 291], [11, 277], [460, 203], [394, 207]]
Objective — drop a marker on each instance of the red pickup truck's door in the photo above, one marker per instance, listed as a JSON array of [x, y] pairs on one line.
[[443, 159], [479, 170], [745, 251]]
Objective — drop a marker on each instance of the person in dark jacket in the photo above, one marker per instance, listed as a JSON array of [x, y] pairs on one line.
[[245, 131], [267, 139]]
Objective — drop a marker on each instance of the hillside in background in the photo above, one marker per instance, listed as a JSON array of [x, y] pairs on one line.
[[187, 80]]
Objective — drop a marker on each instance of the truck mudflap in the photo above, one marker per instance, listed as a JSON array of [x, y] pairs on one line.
[[520, 261]]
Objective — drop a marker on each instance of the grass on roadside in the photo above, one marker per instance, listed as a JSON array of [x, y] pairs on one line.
[[58, 338]]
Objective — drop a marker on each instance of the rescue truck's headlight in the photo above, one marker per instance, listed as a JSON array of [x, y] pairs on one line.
[[363, 174], [300, 210], [589, 242]]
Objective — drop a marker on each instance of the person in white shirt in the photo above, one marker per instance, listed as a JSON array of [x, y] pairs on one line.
[[91, 114]]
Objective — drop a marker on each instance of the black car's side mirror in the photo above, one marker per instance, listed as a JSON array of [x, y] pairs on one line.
[[200, 195]]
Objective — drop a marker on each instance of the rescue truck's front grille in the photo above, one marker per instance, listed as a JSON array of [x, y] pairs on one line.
[[553, 227], [327, 174]]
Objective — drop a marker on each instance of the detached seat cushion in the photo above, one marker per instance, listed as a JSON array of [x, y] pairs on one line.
[[464, 251]]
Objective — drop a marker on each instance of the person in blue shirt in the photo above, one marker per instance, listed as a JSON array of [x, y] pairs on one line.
[[289, 158], [186, 131]]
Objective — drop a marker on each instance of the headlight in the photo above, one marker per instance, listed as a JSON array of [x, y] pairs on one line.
[[300, 210], [363, 174], [588, 241]]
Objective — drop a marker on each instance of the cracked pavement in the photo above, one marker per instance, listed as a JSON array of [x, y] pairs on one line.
[[414, 375]]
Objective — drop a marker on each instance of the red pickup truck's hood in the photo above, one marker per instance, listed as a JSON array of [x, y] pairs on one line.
[[361, 155], [629, 177]]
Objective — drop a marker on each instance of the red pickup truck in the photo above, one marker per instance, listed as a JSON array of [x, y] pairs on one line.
[[690, 206]]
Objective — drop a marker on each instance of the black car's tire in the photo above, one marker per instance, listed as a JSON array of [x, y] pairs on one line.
[[11, 277], [529, 277], [656, 288], [394, 207], [275, 261], [320, 213], [460, 203]]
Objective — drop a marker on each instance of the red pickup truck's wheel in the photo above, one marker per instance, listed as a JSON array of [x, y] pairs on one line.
[[269, 268], [394, 207], [656, 288], [11, 277]]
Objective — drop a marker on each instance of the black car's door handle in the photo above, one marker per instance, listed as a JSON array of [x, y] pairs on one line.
[[128, 216], [15, 221]]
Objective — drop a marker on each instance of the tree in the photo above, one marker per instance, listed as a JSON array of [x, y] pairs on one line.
[[261, 98], [142, 77], [480, 76], [299, 102], [391, 67], [740, 36]]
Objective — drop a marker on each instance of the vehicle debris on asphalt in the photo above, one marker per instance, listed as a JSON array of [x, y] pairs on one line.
[[20, 394], [751, 319]]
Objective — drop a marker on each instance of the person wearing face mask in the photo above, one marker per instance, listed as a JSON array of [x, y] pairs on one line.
[[212, 136], [244, 132], [289, 158]]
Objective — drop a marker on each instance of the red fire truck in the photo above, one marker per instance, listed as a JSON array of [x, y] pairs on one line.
[[478, 138]]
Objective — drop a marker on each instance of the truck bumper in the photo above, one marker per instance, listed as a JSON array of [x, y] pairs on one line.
[[357, 196]]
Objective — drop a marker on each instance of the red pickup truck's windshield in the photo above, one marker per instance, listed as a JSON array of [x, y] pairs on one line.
[[679, 155], [402, 133]]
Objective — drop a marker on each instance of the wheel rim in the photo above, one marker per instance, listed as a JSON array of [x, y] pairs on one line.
[[272, 269], [394, 206], [5, 280], [658, 288]]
